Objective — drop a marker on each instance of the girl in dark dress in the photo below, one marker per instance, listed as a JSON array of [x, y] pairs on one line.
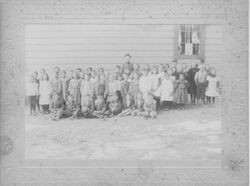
[[192, 86], [181, 96]]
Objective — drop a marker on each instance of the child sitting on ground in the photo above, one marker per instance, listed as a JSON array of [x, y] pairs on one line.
[[150, 107], [71, 108], [139, 105], [115, 106], [87, 106], [99, 107], [128, 106], [56, 107]]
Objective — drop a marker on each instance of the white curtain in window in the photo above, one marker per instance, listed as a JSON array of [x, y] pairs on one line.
[[188, 49]]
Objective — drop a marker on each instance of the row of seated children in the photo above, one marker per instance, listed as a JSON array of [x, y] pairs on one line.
[[82, 93], [100, 109]]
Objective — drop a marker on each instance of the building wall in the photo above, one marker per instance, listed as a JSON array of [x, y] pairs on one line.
[[214, 46], [98, 45], [104, 45]]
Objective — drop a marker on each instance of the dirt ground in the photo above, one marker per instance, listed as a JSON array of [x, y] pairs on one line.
[[194, 133]]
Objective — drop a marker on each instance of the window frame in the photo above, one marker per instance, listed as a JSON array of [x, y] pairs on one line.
[[202, 44]]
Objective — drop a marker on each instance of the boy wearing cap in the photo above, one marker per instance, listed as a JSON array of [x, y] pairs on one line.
[[128, 66]]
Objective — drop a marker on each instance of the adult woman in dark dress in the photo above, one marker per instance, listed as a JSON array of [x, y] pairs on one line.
[[192, 86]]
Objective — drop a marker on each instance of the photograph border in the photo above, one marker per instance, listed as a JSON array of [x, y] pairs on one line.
[[15, 169]]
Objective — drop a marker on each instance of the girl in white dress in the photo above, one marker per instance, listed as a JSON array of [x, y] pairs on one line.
[[145, 82], [212, 90], [86, 88], [167, 90], [44, 93]]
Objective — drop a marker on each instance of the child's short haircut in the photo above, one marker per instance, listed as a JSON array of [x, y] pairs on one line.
[[128, 94], [155, 66], [127, 55], [101, 69], [57, 68], [181, 74], [149, 94], [137, 65], [146, 67], [118, 66], [90, 68]]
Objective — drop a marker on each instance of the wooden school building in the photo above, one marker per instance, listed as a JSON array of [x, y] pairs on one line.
[[152, 32]]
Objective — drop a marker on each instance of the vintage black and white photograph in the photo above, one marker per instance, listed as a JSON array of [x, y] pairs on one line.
[[124, 92], [129, 92]]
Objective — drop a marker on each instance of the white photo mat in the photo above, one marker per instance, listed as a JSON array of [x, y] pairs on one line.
[[15, 169]]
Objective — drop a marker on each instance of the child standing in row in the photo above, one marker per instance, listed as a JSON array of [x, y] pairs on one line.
[[32, 93], [74, 88], [213, 85], [145, 82], [125, 84], [155, 84], [100, 87], [44, 93], [181, 96], [134, 86], [192, 85], [200, 81], [167, 90], [65, 84]]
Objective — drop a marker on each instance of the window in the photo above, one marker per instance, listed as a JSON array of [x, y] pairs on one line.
[[189, 41]]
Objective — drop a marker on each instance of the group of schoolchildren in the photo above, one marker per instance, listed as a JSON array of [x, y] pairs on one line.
[[128, 90]]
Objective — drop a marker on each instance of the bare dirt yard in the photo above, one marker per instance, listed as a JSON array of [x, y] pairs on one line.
[[194, 133]]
